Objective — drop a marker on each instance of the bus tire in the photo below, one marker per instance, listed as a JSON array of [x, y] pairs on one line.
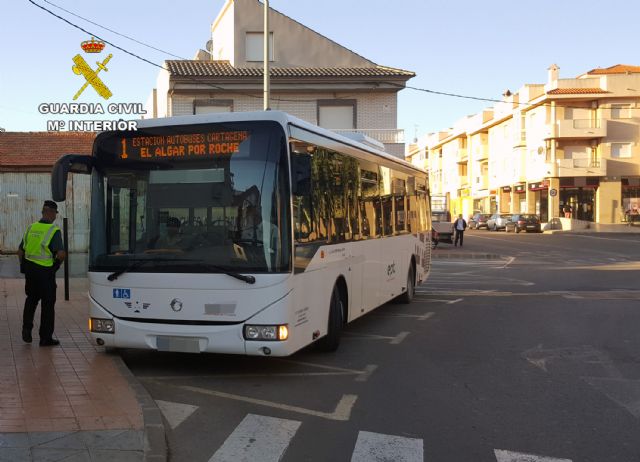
[[407, 297], [331, 341]]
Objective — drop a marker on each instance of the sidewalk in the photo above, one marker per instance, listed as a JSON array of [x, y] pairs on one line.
[[72, 402]]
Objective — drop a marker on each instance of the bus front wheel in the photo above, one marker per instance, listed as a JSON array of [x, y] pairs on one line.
[[331, 341]]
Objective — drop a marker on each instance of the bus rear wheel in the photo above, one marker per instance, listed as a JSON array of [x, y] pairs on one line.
[[331, 341], [407, 297]]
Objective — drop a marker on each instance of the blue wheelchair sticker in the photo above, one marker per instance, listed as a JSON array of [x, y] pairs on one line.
[[121, 293]]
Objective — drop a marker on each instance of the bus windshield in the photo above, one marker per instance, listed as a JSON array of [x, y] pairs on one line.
[[203, 198]]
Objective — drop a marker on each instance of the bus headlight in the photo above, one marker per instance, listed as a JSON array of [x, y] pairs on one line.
[[105, 326], [275, 332]]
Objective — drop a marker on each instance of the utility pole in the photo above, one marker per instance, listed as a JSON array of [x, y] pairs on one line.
[[266, 84]]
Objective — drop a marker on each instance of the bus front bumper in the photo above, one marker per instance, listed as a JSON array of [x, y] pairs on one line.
[[226, 339]]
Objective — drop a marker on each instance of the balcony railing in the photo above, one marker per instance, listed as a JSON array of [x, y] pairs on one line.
[[384, 135], [578, 128], [582, 167]]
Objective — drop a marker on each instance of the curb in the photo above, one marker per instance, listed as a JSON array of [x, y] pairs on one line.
[[155, 443]]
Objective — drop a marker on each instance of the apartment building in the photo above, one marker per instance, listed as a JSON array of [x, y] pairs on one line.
[[567, 144], [312, 77]]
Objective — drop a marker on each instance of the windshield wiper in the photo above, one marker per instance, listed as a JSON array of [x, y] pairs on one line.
[[243, 277], [137, 264]]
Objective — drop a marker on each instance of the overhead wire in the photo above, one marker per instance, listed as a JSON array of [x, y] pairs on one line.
[[228, 91], [208, 84]]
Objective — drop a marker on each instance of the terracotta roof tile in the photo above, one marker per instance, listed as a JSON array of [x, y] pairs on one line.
[[617, 69], [195, 68], [36, 150], [575, 91]]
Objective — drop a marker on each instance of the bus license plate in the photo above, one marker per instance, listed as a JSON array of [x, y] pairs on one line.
[[178, 344]]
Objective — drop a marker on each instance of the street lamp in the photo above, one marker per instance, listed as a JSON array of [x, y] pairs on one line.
[[266, 89]]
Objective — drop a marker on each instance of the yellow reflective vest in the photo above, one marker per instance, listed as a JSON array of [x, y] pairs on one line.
[[36, 243]]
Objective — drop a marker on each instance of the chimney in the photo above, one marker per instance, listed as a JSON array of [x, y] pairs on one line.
[[553, 73]]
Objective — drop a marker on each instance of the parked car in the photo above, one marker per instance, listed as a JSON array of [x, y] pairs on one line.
[[498, 221], [479, 220], [524, 222]]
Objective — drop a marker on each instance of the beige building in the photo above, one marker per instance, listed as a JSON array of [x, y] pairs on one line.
[[312, 77], [570, 145]]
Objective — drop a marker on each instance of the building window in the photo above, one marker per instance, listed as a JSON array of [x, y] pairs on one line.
[[208, 106], [254, 46], [620, 150], [620, 111], [337, 114]]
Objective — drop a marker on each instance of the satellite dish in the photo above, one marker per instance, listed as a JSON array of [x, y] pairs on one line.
[[209, 45], [540, 150]]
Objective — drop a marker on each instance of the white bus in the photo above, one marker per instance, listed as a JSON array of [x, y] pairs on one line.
[[246, 233]]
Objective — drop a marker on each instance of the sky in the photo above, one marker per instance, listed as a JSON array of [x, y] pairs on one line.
[[465, 47]]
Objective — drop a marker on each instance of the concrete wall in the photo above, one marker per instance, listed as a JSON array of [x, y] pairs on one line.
[[374, 110], [318, 51], [222, 31]]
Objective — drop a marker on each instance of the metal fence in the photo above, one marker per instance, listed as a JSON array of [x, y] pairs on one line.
[[21, 199]]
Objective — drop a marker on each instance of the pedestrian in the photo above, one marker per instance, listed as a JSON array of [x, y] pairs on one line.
[[459, 227], [41, 253]]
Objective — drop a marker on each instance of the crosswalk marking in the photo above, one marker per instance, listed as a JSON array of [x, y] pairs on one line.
[[376, 447], [266, 439], [257, 438], [508, 456]]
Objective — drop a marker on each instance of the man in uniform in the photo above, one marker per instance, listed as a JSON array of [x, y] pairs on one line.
[[41, 252]]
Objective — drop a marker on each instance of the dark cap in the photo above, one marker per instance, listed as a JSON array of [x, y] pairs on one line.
[[51, 205], [173, 221]]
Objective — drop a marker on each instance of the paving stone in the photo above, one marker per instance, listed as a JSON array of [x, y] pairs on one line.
[[14, 440]]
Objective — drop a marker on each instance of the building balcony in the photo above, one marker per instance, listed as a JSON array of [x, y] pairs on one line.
[[481, 183], [578, 128], [462, 156], [481, 153], [384, 135], [578, 167]]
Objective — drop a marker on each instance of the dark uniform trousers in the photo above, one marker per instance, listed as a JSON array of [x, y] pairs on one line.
[[40, 285]]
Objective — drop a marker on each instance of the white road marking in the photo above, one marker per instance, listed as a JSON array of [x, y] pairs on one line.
[[399, 338], [367, 373], [629, 241], [623, 392], [320, 366], [175, 413], [420, 317], [376, 447], [393, 340], [509, 456], [430, 300], [453, 302], [257, 438], [511, 259], [342, 411]]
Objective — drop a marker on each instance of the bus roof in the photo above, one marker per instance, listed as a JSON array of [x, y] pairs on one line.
[[282, 118]]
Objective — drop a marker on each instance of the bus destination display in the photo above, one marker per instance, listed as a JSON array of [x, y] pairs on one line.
[[192, 146]]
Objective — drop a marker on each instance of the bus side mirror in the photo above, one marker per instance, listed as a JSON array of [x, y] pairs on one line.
[[75, 163], [301, 174]]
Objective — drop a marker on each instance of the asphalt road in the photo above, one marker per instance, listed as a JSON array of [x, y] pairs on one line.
[[531, 357]]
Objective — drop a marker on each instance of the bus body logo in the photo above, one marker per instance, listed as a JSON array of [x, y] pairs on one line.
[[391, 269], [121, 293]]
